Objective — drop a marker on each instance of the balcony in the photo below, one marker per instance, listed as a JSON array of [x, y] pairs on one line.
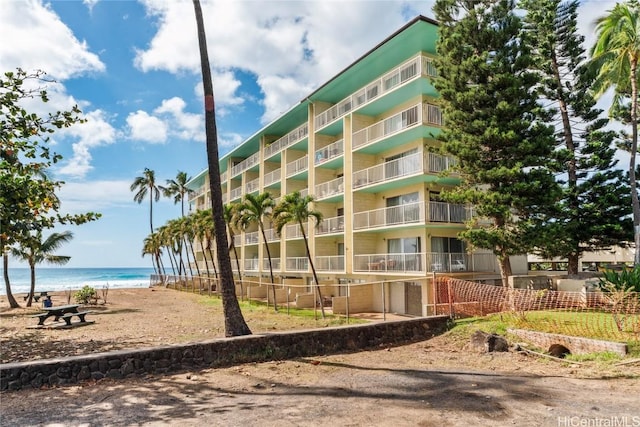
[[330, 188], [413, 164], [421, 114], [329, 263], [293, 231], [247, 163], [297, 264], [251, 264], [251, 238], [252, 186], [329, 152], [421, 262], [271, 234], [331, 226], [275, 264], [412, 69], [411, 213], [396, 263], [297, 166], [272, 177], [291, 138], [236, 193], [237, 240], [223, 177], [448, 212]]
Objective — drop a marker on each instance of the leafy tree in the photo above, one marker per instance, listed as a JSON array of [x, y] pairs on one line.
[[615, 57], [592, 213], [28, 202], [256, 210], [34, 251], [492, 123], [295, 209], [146, 185], [235, 324]]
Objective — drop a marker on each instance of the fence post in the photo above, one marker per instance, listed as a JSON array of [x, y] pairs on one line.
[[384, 305], [450, 297]]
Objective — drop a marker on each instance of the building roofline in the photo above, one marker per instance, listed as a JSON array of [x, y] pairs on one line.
[[419, 18]]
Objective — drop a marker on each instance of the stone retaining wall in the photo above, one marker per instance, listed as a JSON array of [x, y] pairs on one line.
[[216, 353], [577, 345]]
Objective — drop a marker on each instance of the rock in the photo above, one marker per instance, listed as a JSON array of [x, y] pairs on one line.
[[488, 343]]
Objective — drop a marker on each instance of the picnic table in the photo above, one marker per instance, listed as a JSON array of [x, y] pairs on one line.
[[65, 312]]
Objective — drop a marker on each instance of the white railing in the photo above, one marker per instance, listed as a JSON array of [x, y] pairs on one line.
[[329, 263], [297, 166], [275, 264], [251, 264], [298, 134], [293, 231], [271, 234], [439, 163], [236, 193], [247, 163], [411, 69], [197, 193], [330, 188], [430, 261], [432, 114], [251, 238], [428, 67], [225, 198], [304, 192], [297, 264], [408, 165], [399, 263], [447, 212], [252, 186], [394, 215], [329, 152], [237, 240], [331, 225], [272, 177], [223, 177]]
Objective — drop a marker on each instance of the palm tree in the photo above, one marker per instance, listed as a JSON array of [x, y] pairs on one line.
[[231, 218], [255, 210], [295, 209], [177, 188], [235, 324], [143, 185], [615, 59], [153, 246], [35, 251], [203, 228]]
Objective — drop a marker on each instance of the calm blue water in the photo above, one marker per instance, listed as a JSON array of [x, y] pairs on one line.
[[62, 279]]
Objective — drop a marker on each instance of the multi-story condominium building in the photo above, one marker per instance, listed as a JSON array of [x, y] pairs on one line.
[[363, 144]]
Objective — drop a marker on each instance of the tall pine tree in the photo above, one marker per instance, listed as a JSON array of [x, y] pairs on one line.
[[492, 124], [594, 210]]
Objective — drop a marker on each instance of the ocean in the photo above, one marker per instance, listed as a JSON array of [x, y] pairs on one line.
[[62, 279]]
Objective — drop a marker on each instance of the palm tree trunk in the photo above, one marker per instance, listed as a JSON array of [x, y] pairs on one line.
[[313, 269], [235, 253], [151, 209], [235, 324], [635, 203], [273, 287], [5, 263], [32, 268]]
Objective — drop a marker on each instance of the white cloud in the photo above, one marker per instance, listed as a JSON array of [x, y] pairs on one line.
[[80, 197], [229, 140], [35, 29], [147, 128]]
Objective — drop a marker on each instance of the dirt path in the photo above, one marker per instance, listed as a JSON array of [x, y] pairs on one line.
[[361, 389]]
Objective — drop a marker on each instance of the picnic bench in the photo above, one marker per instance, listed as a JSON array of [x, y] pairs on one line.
[[64, 312], [36, 297]]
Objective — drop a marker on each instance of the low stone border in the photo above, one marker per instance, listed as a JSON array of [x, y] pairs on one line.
[[577, 345], [216, 353]]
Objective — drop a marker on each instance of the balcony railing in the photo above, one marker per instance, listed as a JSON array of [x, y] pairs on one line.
[[272, 177], [420, 262], [271, 234], [223, 177], [251, 238], [298, 134], [293, 231], [331, 225], [197, 193], [404, 166], [329, 263], [329, 152], [413, 116], [252, 186], [410, 213], [447, 212], [236, 193], [237, 240], [275, 264], [413, 68], [297, 166], [297, 264], [247, 163], [251, 264], [330, 188]]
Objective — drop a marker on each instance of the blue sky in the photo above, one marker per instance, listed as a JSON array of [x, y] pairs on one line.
[[133, 68]]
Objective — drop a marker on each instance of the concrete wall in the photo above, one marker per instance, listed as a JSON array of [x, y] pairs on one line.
[[215, 353]]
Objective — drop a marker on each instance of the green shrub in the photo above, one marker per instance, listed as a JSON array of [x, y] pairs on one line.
[[84, 295], [624, 280]]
